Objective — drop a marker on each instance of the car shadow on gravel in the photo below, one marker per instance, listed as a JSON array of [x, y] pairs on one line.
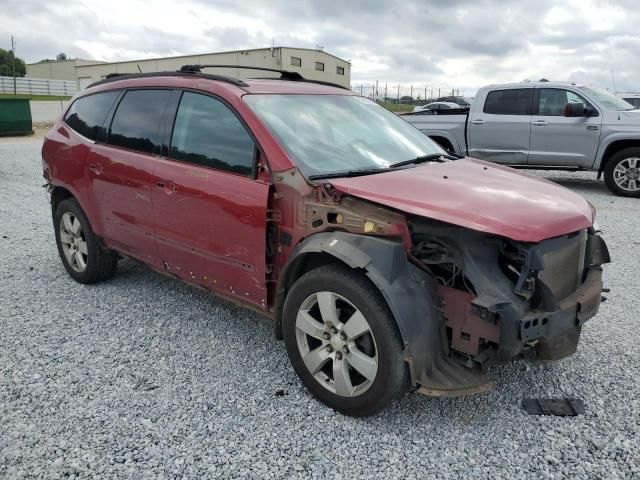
[[593, 186]]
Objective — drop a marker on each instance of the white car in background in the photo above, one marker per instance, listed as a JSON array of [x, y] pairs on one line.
[[632, 98], [436, 106]]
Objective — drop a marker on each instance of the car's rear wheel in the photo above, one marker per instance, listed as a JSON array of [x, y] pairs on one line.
[[82, 255], [343, 341], [622, 173]]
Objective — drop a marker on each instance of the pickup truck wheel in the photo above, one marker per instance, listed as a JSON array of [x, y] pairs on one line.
[[343, 341], [622, 173], [83, 257]]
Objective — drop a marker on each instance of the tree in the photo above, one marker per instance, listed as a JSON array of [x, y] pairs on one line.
[[6, 64], [61, 57]]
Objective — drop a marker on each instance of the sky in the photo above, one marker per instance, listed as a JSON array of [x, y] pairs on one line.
[[452, 43]]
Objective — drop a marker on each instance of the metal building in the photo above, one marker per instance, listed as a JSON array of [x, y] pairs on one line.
[[310, 63], [57, 70]]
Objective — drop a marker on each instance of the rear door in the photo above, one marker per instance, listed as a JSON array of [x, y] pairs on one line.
[[210, 210], [499, 130], [122, 173], [558, 140]]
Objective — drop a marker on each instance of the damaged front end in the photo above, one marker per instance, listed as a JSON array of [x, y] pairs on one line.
[[501, 299]]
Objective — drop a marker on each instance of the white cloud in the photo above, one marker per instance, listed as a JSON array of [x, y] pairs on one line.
[[461, 43]]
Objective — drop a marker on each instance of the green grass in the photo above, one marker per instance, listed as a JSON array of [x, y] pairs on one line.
[[36, 97], [397, 107]]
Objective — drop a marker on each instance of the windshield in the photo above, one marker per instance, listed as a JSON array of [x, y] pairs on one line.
[[607, 99], [333, 133]]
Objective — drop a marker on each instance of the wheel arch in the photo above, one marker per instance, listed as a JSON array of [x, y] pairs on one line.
[[59, 193], [407, 290], [614, 147], [443, 142]]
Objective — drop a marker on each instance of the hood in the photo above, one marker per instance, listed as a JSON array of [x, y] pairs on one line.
[[477, 195]]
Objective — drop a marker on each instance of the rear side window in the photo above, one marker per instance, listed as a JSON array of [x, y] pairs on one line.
[[207, 133], [137, 122], [516, 101], [87, 114]]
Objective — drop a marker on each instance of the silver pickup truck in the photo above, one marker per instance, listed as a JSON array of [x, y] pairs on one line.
[[545, 125]]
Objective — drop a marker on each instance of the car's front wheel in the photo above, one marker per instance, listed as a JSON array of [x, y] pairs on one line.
[[82, 255], [622, 173], [343, 341]]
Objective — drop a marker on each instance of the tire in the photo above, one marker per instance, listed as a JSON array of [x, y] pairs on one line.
[[622, 173], [83, 256], [355, 298]]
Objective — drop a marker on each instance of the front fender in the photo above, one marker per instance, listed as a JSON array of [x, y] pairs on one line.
[[609, 140], [410, 293]]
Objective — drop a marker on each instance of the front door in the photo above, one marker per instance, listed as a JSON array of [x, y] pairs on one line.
[[210, 212], [558, 140], [122, 173], [499, 130]]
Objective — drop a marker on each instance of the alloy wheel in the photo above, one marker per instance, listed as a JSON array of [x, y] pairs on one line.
[[627, 174], [336, 344], [74, 245]]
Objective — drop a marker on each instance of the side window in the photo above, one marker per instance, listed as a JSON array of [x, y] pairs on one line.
[[514, 101], [296, 61], [553, 100], [87, 114], [340, 70], [137, 121], [320, 66], [207, 133]]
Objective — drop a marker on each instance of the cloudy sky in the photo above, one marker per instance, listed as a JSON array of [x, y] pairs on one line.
[[459, 43]]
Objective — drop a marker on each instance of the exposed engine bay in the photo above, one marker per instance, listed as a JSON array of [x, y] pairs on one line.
[[502, 299]]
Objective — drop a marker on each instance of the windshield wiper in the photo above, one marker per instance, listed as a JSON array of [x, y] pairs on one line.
[[348, 173], [434, 157]]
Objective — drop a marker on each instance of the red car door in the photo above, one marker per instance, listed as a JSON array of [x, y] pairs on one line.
[[210, 211], [122, 173]]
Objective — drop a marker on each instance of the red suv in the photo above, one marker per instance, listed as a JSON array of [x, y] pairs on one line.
[[382, 260]]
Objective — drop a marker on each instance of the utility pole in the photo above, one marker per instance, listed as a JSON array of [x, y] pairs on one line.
[[13, 49]]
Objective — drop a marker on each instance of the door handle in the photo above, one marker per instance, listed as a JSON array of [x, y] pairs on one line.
[[592, 127], [477, 121], [539, 123]]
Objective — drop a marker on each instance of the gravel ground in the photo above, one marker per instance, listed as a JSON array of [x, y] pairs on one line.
[[144, 377]]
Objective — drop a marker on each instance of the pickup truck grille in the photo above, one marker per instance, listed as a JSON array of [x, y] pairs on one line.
[[564, 267]]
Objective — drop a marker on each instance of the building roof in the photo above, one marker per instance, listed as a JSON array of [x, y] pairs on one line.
[[221, 53]]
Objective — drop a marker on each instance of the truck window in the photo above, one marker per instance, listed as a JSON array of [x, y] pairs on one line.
[[136, 124], [553, 100], [514, 101], [207, 133], [87, 114]]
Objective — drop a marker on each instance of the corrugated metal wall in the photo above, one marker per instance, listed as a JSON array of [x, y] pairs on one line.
[[38, 86]]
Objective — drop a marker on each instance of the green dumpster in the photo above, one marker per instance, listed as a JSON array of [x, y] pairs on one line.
[[15, 116]]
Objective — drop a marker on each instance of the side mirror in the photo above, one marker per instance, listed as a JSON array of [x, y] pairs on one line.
[[577, 110]]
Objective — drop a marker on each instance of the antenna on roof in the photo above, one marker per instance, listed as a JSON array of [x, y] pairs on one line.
[[615, 92]]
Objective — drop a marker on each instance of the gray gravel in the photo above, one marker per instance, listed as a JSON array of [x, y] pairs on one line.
[[144, 377]]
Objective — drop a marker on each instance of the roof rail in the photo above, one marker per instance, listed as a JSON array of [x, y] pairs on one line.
[[284, 74], [113, 77]]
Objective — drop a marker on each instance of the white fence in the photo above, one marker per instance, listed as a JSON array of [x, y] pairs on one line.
[[37, 86]]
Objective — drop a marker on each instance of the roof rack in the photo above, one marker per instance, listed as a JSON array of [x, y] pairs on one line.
[[196, 70], [284, 74], [113, 77]]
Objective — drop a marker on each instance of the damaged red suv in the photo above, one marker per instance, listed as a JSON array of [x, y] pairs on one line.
[[384, 261]]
